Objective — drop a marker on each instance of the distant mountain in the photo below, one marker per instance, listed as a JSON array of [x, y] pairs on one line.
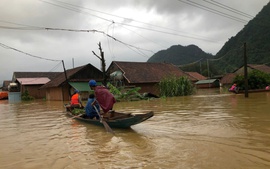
[[180, 55], [256, 35]]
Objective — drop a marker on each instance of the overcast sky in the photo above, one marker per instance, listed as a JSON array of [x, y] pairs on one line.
[[129, 30]]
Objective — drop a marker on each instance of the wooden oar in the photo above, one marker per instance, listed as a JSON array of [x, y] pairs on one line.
[[77, 116], [107, 127]]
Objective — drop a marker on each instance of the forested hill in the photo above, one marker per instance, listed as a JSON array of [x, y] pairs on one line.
[[256, 35], [180, 55]]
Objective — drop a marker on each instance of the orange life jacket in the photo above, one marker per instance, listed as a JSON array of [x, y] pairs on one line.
[[75, 99]]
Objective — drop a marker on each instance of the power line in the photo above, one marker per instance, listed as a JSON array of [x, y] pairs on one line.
[[218, 4], [190, 63], [191, 3], [17, 50], [72, 8], [117, 16], [78, 30]]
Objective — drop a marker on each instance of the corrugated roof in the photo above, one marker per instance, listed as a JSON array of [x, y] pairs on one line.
[[206, 81], [145, 72], [81, 86], [33, 81]]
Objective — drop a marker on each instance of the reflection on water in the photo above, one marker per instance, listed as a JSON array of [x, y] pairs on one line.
[[207, 130]]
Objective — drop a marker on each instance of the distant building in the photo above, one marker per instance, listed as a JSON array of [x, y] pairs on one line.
[[62, 86], [32, 81], [209, 83], [227, 79], [196, 75], [143, 74], [5, 85]]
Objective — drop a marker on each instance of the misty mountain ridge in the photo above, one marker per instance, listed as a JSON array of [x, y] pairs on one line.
[[180, 55], [255, 34]]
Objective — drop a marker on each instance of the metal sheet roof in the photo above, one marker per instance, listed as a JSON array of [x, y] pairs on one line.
[[81, 86], [33, 81], [206, 81]]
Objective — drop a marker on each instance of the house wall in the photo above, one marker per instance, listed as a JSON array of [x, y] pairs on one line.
[[65, 92], [58, 93], [148, 88], [208, 85], [34, 91], [54, 93]]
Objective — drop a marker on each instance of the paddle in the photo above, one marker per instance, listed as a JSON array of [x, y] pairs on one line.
[[107, 127]]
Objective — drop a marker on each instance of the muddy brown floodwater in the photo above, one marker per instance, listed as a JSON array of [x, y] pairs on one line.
[[205, 131]]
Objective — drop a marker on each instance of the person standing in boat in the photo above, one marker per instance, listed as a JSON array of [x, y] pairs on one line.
[[89, 108], [75, 101], [105, 99]]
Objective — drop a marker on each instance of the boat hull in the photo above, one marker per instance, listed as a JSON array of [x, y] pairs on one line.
[[122, 120]]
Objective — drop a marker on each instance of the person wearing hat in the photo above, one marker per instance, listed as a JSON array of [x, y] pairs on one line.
[[104, 98], [76, 100]]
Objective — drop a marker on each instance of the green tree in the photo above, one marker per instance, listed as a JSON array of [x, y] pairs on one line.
[[26, 96], [256, 80], [175, 86]]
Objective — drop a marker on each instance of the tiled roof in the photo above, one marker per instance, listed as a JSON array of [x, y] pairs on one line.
[[262, 68], [145, 72], [49, 75], [196, 75], [228, 78]]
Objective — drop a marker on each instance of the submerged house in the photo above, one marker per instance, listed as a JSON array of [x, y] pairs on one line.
[[227, 79], [62, 86], [32, 81], [196, 75], [208, 83], [5, 85], [142, 74]]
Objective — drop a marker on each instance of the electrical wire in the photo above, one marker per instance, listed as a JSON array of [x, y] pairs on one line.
[[139, 27], [17, 50], [215, 3], [191, 3]]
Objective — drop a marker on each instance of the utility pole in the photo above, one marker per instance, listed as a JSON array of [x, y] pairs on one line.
[[245, 70], [103, 65], [66, 78]]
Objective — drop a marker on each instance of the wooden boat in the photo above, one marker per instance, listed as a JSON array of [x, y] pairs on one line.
[[116, 119], [3, 95]]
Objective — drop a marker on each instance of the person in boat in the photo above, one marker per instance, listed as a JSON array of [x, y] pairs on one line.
[[104, 98], [89, 108], [234, 88], [75, 101]]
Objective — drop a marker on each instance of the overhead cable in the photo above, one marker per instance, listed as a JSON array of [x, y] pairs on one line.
[[191, 3], [17, 50]]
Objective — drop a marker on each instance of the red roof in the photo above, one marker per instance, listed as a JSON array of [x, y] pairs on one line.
[[262, 68], [228, 78], [197, 75]]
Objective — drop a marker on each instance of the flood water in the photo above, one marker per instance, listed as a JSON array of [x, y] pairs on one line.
[[204, 131]]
